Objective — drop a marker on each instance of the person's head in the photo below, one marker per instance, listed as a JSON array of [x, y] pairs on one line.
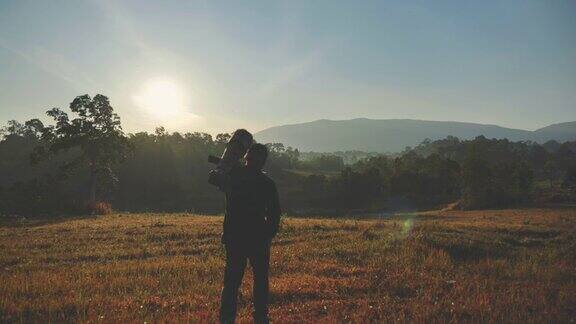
[[256, 156]]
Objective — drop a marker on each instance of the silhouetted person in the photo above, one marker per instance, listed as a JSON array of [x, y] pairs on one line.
[[251, 221]]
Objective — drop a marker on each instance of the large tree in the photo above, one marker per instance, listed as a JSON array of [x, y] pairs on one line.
[[96, 131]]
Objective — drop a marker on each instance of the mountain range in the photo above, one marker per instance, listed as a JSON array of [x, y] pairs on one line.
[[393, 135]]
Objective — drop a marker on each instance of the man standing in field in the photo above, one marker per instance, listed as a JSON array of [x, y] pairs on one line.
[[251, 221]]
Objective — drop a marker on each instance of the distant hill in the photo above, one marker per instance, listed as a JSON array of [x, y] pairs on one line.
[[561, 132], [393, 135]]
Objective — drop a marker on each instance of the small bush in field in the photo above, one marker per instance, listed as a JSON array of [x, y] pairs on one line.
[[99, 208]]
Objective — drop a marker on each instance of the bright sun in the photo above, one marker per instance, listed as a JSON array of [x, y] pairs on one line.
[[162, 98]]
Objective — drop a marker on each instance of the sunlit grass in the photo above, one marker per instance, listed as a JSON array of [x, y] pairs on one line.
[[494, 266]]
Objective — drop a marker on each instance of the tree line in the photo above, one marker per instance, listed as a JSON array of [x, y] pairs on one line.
[[84, 162]]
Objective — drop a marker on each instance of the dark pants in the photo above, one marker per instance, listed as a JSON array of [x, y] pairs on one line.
[[236, 258]]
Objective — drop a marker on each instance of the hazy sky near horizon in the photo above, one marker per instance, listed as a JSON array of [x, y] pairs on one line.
[[219, 65]]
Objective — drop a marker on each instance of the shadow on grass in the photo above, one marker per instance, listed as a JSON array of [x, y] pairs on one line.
[[464, 246], [466, 253], [280, 298], [13, 221]]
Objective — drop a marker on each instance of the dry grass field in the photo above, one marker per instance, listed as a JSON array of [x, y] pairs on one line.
[[445, 266]]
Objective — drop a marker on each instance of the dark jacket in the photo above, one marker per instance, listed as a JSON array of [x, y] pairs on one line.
[[252, 208]]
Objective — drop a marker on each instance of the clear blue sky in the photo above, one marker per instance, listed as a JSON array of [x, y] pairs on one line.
[[216, 66]]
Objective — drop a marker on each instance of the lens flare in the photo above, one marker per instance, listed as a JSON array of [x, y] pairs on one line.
[[407, 226]]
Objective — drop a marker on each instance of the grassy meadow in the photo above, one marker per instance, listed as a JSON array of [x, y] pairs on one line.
[[442, 266]]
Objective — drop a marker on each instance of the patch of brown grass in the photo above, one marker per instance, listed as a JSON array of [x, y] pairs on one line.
[[447, 266]]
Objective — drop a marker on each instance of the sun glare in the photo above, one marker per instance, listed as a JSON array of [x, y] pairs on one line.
[[162, 98]]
